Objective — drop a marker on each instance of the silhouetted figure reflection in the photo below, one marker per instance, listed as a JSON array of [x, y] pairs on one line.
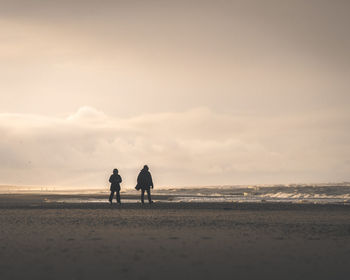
[[115, 181], [145, 183]]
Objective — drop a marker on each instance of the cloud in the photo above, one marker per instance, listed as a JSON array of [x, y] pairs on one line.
[[195, 147], [87, 113]]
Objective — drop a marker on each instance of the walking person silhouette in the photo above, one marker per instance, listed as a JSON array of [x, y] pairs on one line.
[[115, 181], [145, 183]]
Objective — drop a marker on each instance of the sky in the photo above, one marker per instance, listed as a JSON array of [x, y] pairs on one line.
[[204, 92]]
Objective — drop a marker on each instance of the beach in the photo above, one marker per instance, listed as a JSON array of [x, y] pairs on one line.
[[41, 238]]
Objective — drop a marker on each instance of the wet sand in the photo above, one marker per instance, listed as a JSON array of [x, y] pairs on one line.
[[43, 239]]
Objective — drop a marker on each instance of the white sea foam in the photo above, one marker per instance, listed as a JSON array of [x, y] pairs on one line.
[[331, 193]]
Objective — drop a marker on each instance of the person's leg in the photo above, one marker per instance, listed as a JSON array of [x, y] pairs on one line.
[[142, 195], [111, 196], [149, 195], [118, 196]]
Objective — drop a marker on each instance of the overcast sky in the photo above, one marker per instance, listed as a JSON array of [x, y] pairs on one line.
[[204, 92]]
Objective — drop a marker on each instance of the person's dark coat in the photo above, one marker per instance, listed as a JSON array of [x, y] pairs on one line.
[[144, 180], [115, 181]]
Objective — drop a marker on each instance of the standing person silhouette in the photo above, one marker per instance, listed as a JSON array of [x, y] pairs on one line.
[[115, 181], [145, 183]]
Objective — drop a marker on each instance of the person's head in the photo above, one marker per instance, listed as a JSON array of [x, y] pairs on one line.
[[115, 171], [145, 167]]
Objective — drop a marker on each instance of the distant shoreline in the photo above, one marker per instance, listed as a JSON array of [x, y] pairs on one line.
[[5, 188]]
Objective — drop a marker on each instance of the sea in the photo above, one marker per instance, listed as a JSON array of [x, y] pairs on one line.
[[293, 193], [331, 193]]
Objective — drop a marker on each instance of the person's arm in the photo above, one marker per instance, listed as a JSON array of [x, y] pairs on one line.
[[120, 179], [111, 179]]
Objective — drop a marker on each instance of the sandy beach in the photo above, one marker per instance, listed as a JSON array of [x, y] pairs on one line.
[[41, 239]]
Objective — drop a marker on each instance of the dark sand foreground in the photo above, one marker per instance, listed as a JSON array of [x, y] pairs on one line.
[[48, 240]]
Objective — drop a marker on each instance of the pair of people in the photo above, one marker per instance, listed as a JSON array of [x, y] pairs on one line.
[[144, 183]]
